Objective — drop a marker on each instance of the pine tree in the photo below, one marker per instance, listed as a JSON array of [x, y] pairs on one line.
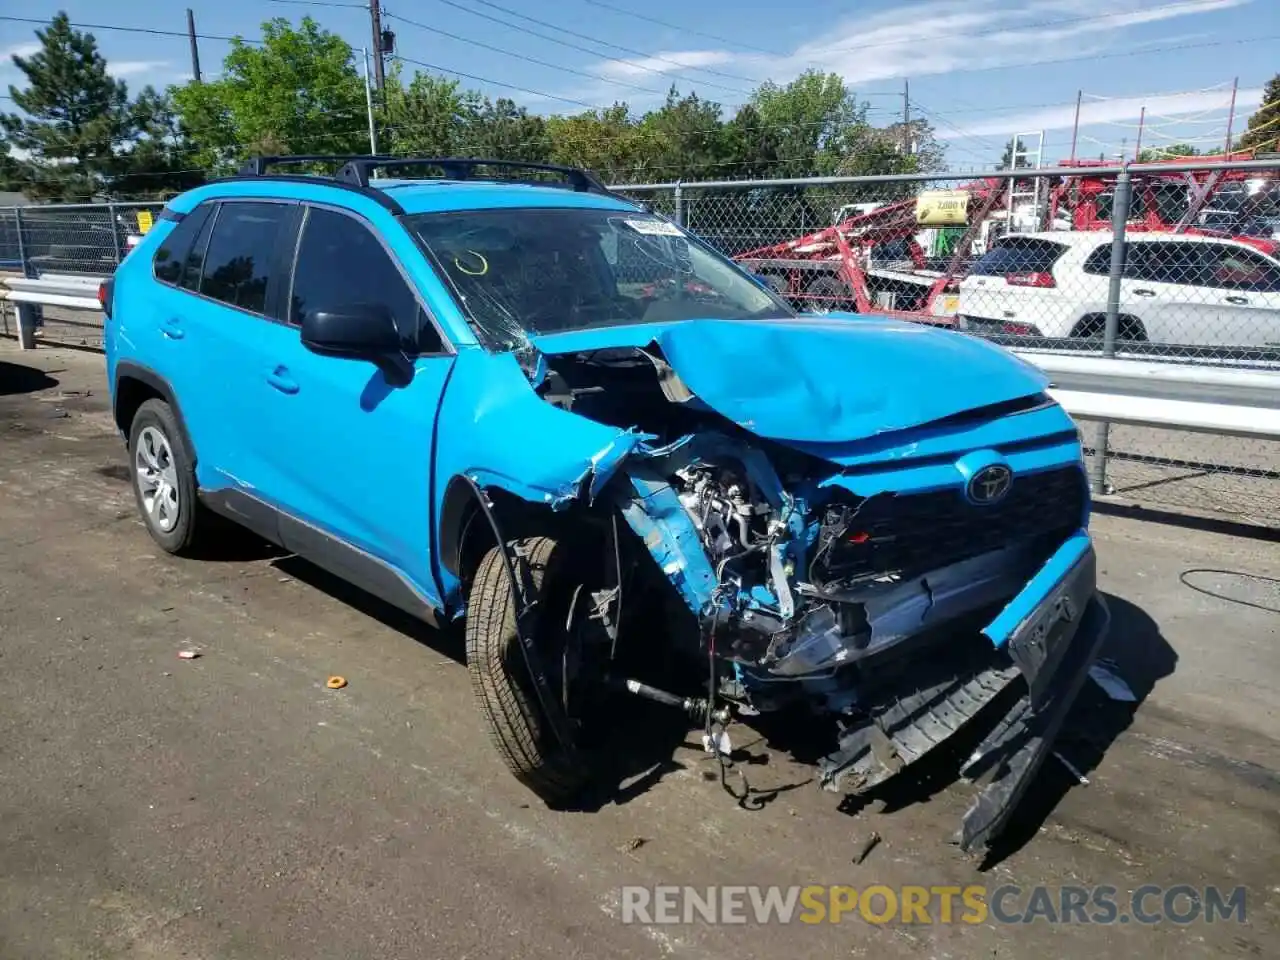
[[76, 115], [1264, 126]]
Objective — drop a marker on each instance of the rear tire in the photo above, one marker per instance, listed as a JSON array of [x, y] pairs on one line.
[[500, 678], [828, 293], [164, 480]]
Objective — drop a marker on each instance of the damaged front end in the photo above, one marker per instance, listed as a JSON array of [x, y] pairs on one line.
[[898, 593]]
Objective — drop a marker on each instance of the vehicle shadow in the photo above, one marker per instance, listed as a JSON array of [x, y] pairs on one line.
[[16, 378], [446, 640], [1142, 657]]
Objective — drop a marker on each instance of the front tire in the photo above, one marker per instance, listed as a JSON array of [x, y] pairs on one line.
[[500, 677], [164, 481]]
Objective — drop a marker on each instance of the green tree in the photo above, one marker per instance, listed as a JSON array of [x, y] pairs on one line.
[[425, 118], [1263, 133], [684, 139], [503, 130], [607, 142], [1152, 154], [1007, 158], [74, 118], [297, 93]]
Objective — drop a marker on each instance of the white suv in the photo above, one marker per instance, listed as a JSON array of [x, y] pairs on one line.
[[1177, 289]]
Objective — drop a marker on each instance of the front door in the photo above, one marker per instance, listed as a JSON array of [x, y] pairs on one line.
[[346, 454]]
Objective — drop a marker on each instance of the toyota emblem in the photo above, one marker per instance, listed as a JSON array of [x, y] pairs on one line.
[[990, 485]]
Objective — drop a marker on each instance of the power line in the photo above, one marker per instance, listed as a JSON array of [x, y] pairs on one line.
[[578, 46], [123, 29], [595, 40], [525, 57], [496, 83], [683, 28]]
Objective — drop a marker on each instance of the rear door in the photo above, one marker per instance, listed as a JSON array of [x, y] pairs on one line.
[[1166, 288], [1245, 287], [236, 302]]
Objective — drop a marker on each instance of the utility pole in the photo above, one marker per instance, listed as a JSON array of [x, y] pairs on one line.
[[906, 115], [195, 50], [1231, 115], [368, 103], [1075, 125], [375, 20]]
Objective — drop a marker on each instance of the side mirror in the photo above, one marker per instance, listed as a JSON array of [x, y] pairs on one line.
[[359, 331], [363, 330]]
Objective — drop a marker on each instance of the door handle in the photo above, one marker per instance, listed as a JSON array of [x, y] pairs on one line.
[[280, 379], [1240, 300], [173, 329], [1144, 292]]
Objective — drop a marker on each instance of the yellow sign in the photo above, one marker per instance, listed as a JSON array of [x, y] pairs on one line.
[[942, 208], [144, 221]]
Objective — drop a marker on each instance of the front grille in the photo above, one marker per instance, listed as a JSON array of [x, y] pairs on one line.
[[912, 533]]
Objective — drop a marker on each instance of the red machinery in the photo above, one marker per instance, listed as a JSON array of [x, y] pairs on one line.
[[834, 266]]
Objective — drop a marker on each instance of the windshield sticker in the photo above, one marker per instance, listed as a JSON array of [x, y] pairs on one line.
[[654, 228]]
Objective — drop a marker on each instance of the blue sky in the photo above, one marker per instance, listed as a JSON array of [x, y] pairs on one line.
[[979, 70]]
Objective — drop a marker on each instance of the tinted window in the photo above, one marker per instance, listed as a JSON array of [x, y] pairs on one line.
[[174, 248], [1099, 261], [1235, 268], [195, 257], [1167, 263], [1019, 255], [342, 264], [241, 254]]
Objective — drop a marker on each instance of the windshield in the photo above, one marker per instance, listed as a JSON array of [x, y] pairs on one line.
[[531, 271]]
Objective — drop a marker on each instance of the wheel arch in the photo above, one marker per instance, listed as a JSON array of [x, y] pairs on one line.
[[134, 386]]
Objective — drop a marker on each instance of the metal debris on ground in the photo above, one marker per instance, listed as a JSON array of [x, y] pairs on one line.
[[336, 683], [865, 847]]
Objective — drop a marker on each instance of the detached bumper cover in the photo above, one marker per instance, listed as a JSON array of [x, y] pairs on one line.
[[1051, 632], [1054, 644]]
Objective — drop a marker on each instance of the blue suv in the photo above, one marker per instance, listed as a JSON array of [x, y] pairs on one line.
[[535, 406]]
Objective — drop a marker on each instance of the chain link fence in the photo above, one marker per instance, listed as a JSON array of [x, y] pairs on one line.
[[77, 239], [1154, 261]]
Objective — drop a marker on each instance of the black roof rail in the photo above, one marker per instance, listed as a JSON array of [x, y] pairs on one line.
[[358, 170], [260, 166]]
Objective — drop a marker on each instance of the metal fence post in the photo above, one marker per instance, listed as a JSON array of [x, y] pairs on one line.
[[679, 201], [1119, 218], [115, 232], [22, 246]]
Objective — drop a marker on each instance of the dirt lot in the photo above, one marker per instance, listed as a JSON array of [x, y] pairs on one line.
[[232, 806]]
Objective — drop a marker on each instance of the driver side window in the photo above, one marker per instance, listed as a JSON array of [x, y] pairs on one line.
[[341, 264]]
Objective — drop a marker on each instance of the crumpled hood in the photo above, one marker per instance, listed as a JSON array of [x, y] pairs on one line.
[[824, 379]]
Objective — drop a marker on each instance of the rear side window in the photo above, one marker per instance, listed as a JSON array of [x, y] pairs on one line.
[[1099, 261], [341, 264], [175, 248], [1235, 268], [1174, 262], [242, 253], [1019, 255]]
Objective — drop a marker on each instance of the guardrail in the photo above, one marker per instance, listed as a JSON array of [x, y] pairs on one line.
[[68, 290], [1236, 402]]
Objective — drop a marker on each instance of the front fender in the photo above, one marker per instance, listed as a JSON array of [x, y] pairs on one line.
[[496, 430]]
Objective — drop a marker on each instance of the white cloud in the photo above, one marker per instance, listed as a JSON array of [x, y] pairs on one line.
[[665, 62], [1160, 108], [18, 50], [130, 68], [941, 36]]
